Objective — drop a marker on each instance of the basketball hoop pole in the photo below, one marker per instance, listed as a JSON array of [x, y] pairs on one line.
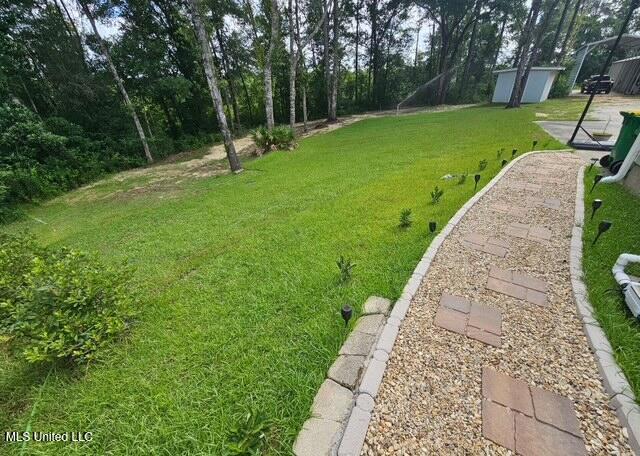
[[632, 8]]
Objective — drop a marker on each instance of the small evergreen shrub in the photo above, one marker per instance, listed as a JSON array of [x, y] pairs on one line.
[[562, 86], [482, 165], [346, 267], [405, 218], [59, 304], [462, 178], [281, 137], [436, 195]]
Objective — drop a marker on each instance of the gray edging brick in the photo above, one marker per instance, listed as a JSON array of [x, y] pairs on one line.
[[372, 377], [345, 398], [614, 380], [356, 429], [388, 337]]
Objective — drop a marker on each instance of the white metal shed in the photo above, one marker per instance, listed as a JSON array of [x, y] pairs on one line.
[[537, 89]]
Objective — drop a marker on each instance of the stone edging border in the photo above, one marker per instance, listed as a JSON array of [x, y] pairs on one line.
[[622, 399], [358, 423]]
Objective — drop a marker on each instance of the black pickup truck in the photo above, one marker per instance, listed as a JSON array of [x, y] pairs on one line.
[[597, 84]]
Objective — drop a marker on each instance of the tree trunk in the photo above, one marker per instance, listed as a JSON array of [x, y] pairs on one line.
[[268, 64], [514, 100], [415, 58], [335, 74], [567, 36], [373, 54], [75, 31], [293, 67], [494, 59], [229, 77], [119, 82], [325, 54], [210, 72], [246, 94], [537, 45], [518, 53], [146, 121], [443, 65], [472, 44], [304, 107], [358, 7], [556, 36]]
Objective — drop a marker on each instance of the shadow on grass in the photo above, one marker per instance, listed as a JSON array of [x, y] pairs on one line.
[[20, 383]]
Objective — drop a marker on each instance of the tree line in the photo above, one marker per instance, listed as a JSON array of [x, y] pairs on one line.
[[141, 79]]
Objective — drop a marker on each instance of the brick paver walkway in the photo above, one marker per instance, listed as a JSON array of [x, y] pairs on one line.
[[491, 357]]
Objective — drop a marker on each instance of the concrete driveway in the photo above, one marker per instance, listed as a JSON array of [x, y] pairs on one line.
[[604, 113]]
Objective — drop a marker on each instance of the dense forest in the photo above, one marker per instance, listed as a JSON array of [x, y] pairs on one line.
[[91, 87]]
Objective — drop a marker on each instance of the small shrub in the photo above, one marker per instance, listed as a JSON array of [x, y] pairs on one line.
[[499, 153], [346, 267], [462, 178], [249, 435], [405, 218], [59, 305], [281, 137], [482, 165], [562, 86], [436, 194]]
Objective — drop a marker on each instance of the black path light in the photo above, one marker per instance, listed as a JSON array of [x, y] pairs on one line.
[[534, 144], [595, 205], [603, 227], [477, 179], [504, 162], [593, 162], [347, 313], [514, 152], [432, 227], [596, 179]]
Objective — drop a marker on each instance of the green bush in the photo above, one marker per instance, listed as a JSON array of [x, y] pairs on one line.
[[281, 137], [59, 304], [561, 88]]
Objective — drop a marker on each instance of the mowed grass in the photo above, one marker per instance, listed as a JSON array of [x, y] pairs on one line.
[[622, 208], [237, 281]]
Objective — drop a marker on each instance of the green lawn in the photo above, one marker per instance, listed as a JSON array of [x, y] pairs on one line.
[[238, 283], [622, 208]]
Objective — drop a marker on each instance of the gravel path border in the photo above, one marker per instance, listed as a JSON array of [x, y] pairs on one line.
[[622, 398], [357, 426], [428, 397]]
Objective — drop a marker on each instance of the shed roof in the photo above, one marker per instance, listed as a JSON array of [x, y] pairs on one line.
[[627, 41], [508, 70]]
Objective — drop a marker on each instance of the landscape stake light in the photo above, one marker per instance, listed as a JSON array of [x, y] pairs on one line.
[[347, 313], [595, 206], [432, 227], [535, 143], [596, 179], [603, 227], [514, 152], [477, 179], [593, 162], [504, 162]]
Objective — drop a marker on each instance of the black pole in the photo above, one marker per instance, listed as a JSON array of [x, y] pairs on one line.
[[632, 8]]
